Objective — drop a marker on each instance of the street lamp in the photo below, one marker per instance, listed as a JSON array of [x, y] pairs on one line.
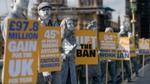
[[133, 9]]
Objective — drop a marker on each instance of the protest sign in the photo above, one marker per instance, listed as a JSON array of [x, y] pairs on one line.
[[86, 52], [49, 52], [21, 56], [144, 47], [108, 46], [123, 51]]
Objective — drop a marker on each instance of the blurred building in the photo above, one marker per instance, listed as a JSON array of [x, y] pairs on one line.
[[107, 19], [144, 17], [128, 10], [84, 11], [115, 26], [54, 3]]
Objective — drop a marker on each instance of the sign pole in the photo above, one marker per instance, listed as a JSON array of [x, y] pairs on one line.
[[131, 68], [106, 73], [87, 80], [143, 65], [122, 71]]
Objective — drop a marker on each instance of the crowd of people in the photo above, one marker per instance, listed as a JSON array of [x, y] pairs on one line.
[[70, 73]]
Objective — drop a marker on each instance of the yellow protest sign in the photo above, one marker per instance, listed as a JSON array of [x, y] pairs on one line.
[[49, 52], [123, 51], [21, 61], [144, 47], [108, 46], [132, 48], [86, 52]]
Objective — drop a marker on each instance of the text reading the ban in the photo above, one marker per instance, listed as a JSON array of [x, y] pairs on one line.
[[86, 51]]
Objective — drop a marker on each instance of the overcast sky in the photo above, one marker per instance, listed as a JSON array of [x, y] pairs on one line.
[[4, 7], [118, 5]]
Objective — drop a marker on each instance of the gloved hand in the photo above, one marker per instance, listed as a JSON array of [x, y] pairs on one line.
[[67, 46], [67, 49], [98, 52], [63, 56], [47, 77]]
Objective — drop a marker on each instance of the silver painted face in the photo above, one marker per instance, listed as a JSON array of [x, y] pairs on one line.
[[70, 25], [45, 13], [22, 3]]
